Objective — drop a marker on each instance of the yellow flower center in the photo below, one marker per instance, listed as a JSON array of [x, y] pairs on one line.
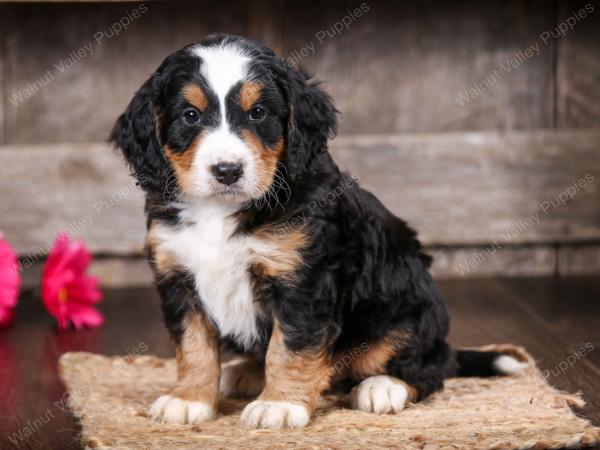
[[62, 296]]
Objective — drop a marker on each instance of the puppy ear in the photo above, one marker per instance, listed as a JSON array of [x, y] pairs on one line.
[[136, 134], [312, 119]]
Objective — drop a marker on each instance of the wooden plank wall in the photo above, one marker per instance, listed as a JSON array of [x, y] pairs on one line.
[[578, 70], [464, 117]]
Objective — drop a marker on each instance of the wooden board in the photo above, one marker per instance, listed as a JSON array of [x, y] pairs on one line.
[[456, 189], [578, 64], [112, 272], [265, 23], [474, 188], [79, 95], [404, 64], [83, 189], [448, 263], [400, 66], [579, 259], [3, 99], [483, 261]]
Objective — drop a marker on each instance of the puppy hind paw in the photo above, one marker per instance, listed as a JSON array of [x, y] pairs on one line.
[[380, 394]]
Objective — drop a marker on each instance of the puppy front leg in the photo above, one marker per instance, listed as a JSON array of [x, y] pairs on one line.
[[194, 397], [294, 382]]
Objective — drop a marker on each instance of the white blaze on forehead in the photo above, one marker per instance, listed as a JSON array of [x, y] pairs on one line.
[[223, 66]]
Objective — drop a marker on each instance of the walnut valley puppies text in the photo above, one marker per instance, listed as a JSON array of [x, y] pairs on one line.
[[521, 226], [75, 56], [322, 36], [513, 62]]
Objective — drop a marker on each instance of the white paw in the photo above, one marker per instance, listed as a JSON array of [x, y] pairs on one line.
[[241, 379], [379, 394], [268, 414], [171, 409]]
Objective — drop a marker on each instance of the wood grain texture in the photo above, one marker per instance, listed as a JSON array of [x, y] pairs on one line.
[[401, 65], [578, 64], [581, 259], [483, 261], [115, 272], [80, 102], [487, 189], [3, 100], [448, 263], [112, 271], [474, 188], [265, 23], [83, 189], [419, 57]]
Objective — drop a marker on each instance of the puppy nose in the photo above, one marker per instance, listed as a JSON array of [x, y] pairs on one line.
[[227, 172]]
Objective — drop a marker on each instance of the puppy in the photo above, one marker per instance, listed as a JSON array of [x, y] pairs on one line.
[[261, 246]]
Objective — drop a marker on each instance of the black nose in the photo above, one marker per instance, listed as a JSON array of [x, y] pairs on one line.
[[227, 172]]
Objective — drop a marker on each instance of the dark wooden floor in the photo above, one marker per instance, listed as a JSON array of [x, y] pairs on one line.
[[556, 320]]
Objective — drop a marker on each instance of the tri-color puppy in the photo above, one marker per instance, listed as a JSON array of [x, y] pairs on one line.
[[259, 244]]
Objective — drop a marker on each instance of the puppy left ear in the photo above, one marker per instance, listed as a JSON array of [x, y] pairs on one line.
[[312, 119], [135, 133]]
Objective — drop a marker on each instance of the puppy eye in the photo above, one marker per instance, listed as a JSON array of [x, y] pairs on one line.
[[257, 113], [191, 117]]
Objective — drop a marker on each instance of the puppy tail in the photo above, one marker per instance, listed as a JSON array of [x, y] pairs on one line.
[[474, 363]]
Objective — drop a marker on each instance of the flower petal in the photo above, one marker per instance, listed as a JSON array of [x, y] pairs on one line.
[[87, 316], [67, 291], [10, 277], [7, 316]]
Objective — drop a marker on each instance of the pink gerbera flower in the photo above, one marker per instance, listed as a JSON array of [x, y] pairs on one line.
[[68, 293], [9, 282]]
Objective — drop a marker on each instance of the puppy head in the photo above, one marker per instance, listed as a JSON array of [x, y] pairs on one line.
[[224, 119]]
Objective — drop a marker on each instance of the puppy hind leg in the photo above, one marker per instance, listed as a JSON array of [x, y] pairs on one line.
[[390, 374]]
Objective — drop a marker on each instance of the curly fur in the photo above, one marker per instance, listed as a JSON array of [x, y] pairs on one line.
[[363, 276]]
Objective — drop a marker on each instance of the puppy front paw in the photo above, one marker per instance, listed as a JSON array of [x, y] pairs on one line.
[[274, 414], [379, 394], [170, 409]]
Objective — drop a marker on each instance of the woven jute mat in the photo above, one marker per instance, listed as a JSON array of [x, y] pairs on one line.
[[111, 396]]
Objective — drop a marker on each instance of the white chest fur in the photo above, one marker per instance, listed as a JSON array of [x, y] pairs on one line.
[[219, 261]]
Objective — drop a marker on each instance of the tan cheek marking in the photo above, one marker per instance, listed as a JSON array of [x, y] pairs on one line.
[[198, 361], [266, 158], [195, 96], [249, 94], [374, 359], [182, 163], [297, 377], [280, 254]]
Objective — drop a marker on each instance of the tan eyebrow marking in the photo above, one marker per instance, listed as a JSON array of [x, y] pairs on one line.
[[193, 94], [249, 94]]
